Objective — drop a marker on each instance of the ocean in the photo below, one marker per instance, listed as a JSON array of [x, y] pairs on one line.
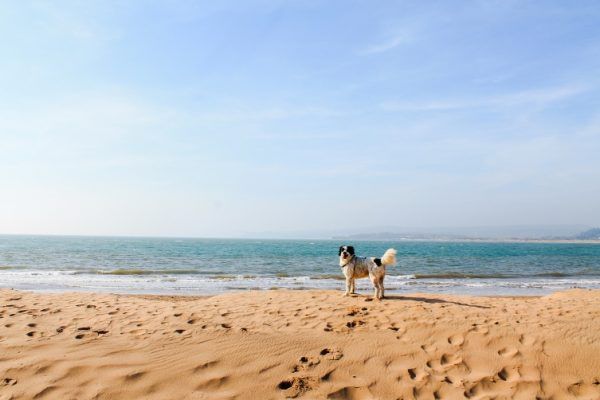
[[208, 266]]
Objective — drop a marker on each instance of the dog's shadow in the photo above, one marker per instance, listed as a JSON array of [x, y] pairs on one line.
[[430, 300]]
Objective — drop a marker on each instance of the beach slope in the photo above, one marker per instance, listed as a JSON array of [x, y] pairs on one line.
[[305, 344]]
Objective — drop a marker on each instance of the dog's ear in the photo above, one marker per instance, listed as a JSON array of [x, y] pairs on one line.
[[340, 250], [351, 250]]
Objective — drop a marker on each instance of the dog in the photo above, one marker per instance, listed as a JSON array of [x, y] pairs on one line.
[[355, 267]]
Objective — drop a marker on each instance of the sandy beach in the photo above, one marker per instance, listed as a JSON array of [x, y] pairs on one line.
[[305, 344]]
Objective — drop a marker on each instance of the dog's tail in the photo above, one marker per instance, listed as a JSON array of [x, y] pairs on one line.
[[389, 257]]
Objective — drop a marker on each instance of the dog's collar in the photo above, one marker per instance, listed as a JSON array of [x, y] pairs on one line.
[[349, 261]]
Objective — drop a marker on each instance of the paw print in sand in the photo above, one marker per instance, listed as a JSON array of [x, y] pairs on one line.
[[302, 382]]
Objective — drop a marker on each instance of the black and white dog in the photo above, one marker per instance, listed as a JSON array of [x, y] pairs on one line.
[[360, 267]]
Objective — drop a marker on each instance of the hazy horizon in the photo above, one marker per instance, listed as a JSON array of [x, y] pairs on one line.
[[473, 232], [180, 119]]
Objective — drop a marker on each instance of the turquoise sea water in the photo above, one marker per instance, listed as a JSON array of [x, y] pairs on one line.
[[197, 266]]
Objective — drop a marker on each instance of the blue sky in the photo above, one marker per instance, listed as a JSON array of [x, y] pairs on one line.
[[227, 118]]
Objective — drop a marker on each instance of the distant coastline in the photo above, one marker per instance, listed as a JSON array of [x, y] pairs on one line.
[[469, 240], [588, 236]]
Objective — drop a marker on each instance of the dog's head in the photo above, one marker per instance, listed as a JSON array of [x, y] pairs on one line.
[[345, 253]]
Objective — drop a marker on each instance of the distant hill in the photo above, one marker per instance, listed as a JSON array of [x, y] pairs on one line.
[[590, 234], [401, 236]]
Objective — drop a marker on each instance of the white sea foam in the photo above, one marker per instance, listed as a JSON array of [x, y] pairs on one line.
[[55, 280]]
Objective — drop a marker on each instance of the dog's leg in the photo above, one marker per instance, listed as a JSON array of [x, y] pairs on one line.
[[381, 288], [353, 287], [349, 283], [375, 287]]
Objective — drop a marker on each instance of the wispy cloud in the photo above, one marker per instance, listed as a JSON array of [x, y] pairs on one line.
[[262, 114], [387, 45], [536, 97]]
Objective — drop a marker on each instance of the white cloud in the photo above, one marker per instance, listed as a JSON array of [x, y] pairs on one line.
[[536, 97], [247, 113], [387, 45]]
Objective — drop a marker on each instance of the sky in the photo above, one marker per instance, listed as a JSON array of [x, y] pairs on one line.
[[232, 118]]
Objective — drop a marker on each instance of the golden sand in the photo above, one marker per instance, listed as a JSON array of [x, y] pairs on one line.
[[304, 344]]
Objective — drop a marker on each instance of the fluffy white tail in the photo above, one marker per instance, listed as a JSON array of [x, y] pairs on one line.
[[389, 257]]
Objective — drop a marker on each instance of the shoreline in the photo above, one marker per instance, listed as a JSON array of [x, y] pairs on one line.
[[52, 281], [312, 344], [363, 290], [191, 297]]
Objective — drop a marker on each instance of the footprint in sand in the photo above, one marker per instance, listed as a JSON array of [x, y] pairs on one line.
[[526, 340], [296, 386], [416, 374], [450, 359], [481, 388], [9, 382], [509, 374], [355, 323], [456, 340], [482, 329], [310, 362], [508, 352], [353, 311], [331, 354], [429, 348], [305, 363], [582, 390]]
